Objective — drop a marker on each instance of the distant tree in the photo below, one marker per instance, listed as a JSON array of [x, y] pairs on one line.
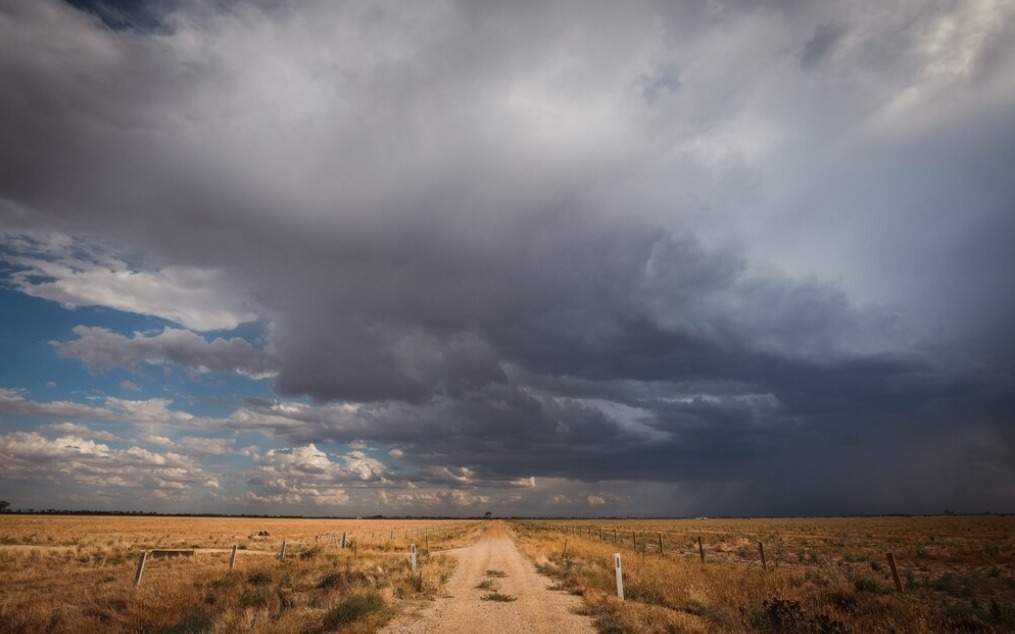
[[4, 505], [488, 514]]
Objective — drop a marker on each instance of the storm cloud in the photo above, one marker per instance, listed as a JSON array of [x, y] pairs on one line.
[[671, 259]]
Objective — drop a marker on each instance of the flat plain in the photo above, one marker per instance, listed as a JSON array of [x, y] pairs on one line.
[[819, 574], [77, 574]]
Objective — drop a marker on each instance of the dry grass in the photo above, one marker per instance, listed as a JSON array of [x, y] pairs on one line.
[[825, 575], [75, 574]]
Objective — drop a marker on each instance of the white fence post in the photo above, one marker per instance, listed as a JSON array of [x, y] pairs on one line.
[[620, 576], [412, 557], [281, 554], [139, 573], [232, 557]]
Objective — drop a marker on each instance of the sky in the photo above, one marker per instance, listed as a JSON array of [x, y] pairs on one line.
[[561, 258]]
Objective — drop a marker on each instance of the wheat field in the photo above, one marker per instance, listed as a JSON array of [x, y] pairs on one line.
[[76, 574], [819, 575]]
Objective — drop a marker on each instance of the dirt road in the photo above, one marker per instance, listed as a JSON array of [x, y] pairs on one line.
[[463, 610]]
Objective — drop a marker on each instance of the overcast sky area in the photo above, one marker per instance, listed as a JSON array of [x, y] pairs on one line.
[[589, 258]]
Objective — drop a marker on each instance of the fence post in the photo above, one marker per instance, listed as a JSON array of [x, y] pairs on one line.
[[232, 557], [564, 554], [620, 576], [701, 550], [634, 540], [140, 568], [764, 564], [412, 557], [344, 539], [895, 572], [281, 553], [660, 543]]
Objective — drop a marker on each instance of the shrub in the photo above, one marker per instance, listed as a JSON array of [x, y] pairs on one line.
[[254, 598], [330, 580], [259, 578], [352, 609], [194, 621]]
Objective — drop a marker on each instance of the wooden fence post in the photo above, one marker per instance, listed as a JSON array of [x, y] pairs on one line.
[[764, 564], [634, 539], [345, 541], [895, 572], [139, 573], [281, 553], [620, 576], [660, 543], [701, 550], [412, 557], [232, 557]]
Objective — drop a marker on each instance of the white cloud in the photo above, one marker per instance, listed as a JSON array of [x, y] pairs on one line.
[[101, 350], [68, 428], [29, 455], [145, 412], [209, 446], [196, 298], [307, 474]]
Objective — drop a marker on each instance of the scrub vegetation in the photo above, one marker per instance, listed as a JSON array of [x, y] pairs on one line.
[[76, 574], [823, 575]]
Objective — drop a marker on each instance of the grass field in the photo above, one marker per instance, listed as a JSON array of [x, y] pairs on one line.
[[76, 574], [823, 575]]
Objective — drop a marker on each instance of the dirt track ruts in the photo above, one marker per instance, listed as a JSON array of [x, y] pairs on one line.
[[461, 608]]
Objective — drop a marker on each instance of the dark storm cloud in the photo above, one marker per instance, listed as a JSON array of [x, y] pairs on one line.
[[820, 43], [638, 244]]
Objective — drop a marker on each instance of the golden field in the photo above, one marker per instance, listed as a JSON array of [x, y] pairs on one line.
[[76, 573], [823, 575]]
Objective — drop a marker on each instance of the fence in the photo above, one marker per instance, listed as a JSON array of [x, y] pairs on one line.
[[646, 542], [329, 539]]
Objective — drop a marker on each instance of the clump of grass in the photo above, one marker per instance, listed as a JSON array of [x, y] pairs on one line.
[[311, 553], [259, 578], [330, 580], [499, 597], [353, 608], [254, 598], [866, 584], [499, 574], [486, 584], [194, 621]]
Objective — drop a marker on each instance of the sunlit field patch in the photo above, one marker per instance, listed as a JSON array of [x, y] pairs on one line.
[[819, 575], [76, 574]]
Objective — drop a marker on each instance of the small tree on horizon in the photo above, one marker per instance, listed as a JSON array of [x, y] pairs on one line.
[[4, 505], [487, 515]]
